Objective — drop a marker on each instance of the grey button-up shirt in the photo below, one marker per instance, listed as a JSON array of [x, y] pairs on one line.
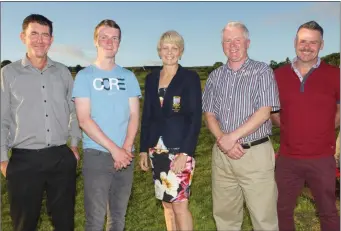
[[36, 107]]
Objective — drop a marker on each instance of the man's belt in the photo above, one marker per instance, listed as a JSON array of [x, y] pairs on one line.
[[37, 150], [253, 143]]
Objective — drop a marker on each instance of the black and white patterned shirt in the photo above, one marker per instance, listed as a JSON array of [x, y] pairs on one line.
[[234, 96]]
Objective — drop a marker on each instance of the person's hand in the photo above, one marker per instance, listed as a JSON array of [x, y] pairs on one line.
[[179, 163], [4, 165], [227, 141], [75, 151], [121, 157], [127, 147], [236, 152], [144, 161]]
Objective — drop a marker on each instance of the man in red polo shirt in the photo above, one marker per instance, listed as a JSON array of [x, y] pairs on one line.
[[309, 91]]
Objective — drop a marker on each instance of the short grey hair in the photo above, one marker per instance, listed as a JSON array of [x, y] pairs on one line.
[[236, 24]]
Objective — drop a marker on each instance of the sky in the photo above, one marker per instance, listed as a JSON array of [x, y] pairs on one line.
[[272, 27]]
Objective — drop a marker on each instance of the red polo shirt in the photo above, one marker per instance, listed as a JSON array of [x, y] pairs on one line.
[[308, 110]]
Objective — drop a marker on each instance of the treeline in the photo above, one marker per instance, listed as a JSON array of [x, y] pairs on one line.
[[333, 59]]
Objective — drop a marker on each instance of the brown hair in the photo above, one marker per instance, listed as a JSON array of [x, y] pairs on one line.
[[108, 23], [312, 25], [38, 19]]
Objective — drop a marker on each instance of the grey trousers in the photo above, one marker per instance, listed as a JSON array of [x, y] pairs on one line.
[[106, 191]]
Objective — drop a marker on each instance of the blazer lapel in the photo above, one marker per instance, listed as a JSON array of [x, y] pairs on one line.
[[176, 81], [155, 90]]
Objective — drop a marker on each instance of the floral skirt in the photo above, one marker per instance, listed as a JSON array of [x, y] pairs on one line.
[[170, 187]]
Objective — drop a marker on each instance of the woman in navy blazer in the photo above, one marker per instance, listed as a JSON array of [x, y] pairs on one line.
[[171, 122]]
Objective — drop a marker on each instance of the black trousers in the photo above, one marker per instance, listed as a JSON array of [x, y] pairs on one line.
[[29, 174]]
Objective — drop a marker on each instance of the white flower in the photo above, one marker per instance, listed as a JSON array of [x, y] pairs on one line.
[[159, 190], [170, 183]]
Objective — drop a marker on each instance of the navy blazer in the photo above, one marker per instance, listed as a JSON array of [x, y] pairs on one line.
[[179, 125]]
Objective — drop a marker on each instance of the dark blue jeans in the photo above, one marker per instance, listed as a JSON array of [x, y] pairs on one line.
[[106, 191]]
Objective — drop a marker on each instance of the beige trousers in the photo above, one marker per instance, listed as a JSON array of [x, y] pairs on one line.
[[251, 178]]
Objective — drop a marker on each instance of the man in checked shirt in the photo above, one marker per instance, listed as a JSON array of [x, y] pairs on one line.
[[37, 118], [237, 101]]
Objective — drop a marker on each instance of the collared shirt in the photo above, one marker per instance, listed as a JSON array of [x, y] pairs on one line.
[[317, 64], [36, 107], [234, 96]]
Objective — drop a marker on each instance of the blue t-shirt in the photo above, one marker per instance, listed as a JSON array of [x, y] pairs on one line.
[[109, 93]]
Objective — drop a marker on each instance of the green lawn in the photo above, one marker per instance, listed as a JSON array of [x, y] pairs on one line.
[[145, 212]]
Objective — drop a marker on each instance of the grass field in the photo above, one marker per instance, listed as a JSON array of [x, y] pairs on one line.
[[145, 212]]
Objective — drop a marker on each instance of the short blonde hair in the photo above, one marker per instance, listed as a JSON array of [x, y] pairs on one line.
[[172, 37], [238, 25], [108, 23]]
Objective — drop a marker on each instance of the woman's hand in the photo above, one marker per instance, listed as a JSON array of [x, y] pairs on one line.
[[179, 163], [144, 161]]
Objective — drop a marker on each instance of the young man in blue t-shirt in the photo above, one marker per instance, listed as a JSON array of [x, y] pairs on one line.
[[107, 104]]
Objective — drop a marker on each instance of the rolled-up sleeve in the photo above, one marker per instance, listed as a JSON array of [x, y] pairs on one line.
[[208, 95], [268, 95], [5, 114]]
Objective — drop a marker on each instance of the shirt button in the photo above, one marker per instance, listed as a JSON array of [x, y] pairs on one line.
[[41, 73], [48, 144], [44, 101], [43, 86], [47, 115], [48, 130]]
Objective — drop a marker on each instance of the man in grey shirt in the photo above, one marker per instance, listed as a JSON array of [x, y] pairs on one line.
[[37, 118]]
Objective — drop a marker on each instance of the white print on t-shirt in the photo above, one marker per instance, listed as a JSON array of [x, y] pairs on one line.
[[101, 84]]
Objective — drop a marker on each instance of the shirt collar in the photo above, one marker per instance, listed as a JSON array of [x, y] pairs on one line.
[[316, 65], [242, 66], [26, 62]]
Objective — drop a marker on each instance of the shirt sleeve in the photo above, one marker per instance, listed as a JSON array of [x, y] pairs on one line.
[[337, 86], [193, 92], [133, 87], [208, 95], [74, 129], [5, 114], [146, 115], [268, 95], [81, 87]]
